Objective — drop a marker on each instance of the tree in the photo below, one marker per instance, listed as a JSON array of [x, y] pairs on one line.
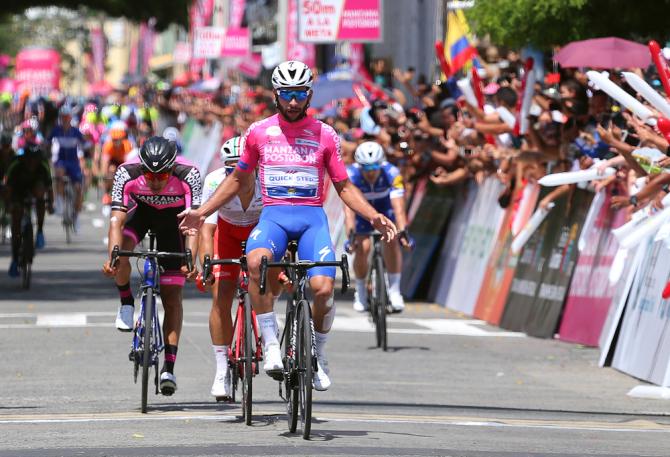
[[548, 23], [166, 12]]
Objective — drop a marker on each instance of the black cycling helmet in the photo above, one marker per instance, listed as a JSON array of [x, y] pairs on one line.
[[158, 154]]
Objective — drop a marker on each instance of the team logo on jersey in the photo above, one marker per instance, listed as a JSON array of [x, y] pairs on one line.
[[273, 130], [307, 132]]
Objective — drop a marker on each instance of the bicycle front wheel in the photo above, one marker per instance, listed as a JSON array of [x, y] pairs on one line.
[[147, 328], [305, 367], [249, 356], [291, 368], [373, 298], [382, 303]]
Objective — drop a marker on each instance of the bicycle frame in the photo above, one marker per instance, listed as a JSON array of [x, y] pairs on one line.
[[150, 280]]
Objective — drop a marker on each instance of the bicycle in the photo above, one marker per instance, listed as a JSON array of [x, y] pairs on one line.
[[147, 342], [26, 243], [69, 215], [297, 340], [245, 353]]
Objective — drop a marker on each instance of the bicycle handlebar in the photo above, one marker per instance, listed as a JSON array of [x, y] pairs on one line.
[[306, 265], [117, 252], [208, 263]]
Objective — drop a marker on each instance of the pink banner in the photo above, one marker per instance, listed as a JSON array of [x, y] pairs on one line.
[[329, 21], [134, 55], [237, 13], [147, 37], [200, 14], [236, 43], [357, 60], [38, 70], [98, 53], [361, 20], [295, 50], [591, 293], [251, 66]]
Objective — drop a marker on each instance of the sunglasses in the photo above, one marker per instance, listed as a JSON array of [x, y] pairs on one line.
[[151, 176], [371, 167], [288, 95]]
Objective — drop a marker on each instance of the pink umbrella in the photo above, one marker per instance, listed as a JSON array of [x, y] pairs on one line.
[[608, 53]]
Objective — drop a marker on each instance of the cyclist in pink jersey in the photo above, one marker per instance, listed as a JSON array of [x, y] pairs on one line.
[[293, 153], [147, 194]]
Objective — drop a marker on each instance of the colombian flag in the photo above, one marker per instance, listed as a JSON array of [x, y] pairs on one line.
[[458, 50]]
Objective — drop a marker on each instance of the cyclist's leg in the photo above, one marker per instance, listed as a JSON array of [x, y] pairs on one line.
[[267, 239], [393, 261], [228, 246], [16, 210], [76, 177], [170, 239], [59, 171], [133, 231]]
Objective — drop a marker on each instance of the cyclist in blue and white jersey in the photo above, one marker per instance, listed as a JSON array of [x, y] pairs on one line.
[[381, 184], [67, 145]]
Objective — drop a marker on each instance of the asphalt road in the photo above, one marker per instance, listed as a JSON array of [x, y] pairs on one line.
[[448, 386]]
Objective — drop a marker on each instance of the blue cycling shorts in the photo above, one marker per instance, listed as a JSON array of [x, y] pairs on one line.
[[307, 225], [363, 227], [72, 170]]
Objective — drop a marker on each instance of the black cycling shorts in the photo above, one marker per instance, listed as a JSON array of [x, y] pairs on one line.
[[165, 225]]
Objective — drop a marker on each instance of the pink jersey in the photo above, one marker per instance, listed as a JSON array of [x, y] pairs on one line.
[[183, 190], [293, 159]]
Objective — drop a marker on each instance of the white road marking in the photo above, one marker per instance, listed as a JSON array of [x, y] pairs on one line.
[[343, 323], [61, 320], [634, 426]]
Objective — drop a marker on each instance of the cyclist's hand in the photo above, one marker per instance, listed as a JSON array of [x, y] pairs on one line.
[[191, 221], [190, 275], [406, 240], [108, 270], [385, 226], [50, 207], [350, 246], [207, 287]]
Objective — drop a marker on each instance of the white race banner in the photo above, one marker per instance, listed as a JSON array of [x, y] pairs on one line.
[[207, 42]]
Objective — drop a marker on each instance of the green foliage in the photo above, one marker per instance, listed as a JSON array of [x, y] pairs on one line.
[[165, 12], [547, 23]]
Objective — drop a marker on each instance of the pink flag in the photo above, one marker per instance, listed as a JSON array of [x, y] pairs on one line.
[[98, 53], [237, 13]]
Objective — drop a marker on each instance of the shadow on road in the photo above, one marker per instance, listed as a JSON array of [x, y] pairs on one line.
[[59, 285]]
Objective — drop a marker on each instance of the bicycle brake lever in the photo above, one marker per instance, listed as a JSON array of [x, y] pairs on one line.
[[114, 258], [263, 271], [206, 268], [189, 260], [344, 266]]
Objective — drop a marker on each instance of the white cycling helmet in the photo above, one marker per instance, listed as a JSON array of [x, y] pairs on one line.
[[232, 150], [292, 73], [369, 153], [172, 134]]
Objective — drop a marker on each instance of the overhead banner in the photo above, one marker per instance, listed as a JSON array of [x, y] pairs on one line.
[[208, 42], [330, 21], [236, 43], [38, 70]]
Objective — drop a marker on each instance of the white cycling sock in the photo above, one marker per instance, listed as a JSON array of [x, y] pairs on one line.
[[269, 328], [320, 339], [394, 283], [362, 290], [221, 356]]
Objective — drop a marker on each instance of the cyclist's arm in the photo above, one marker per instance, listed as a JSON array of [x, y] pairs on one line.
[[238, 181], [206, 241], [349, 220], [117, 221], [354, 199], [398, 205]]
